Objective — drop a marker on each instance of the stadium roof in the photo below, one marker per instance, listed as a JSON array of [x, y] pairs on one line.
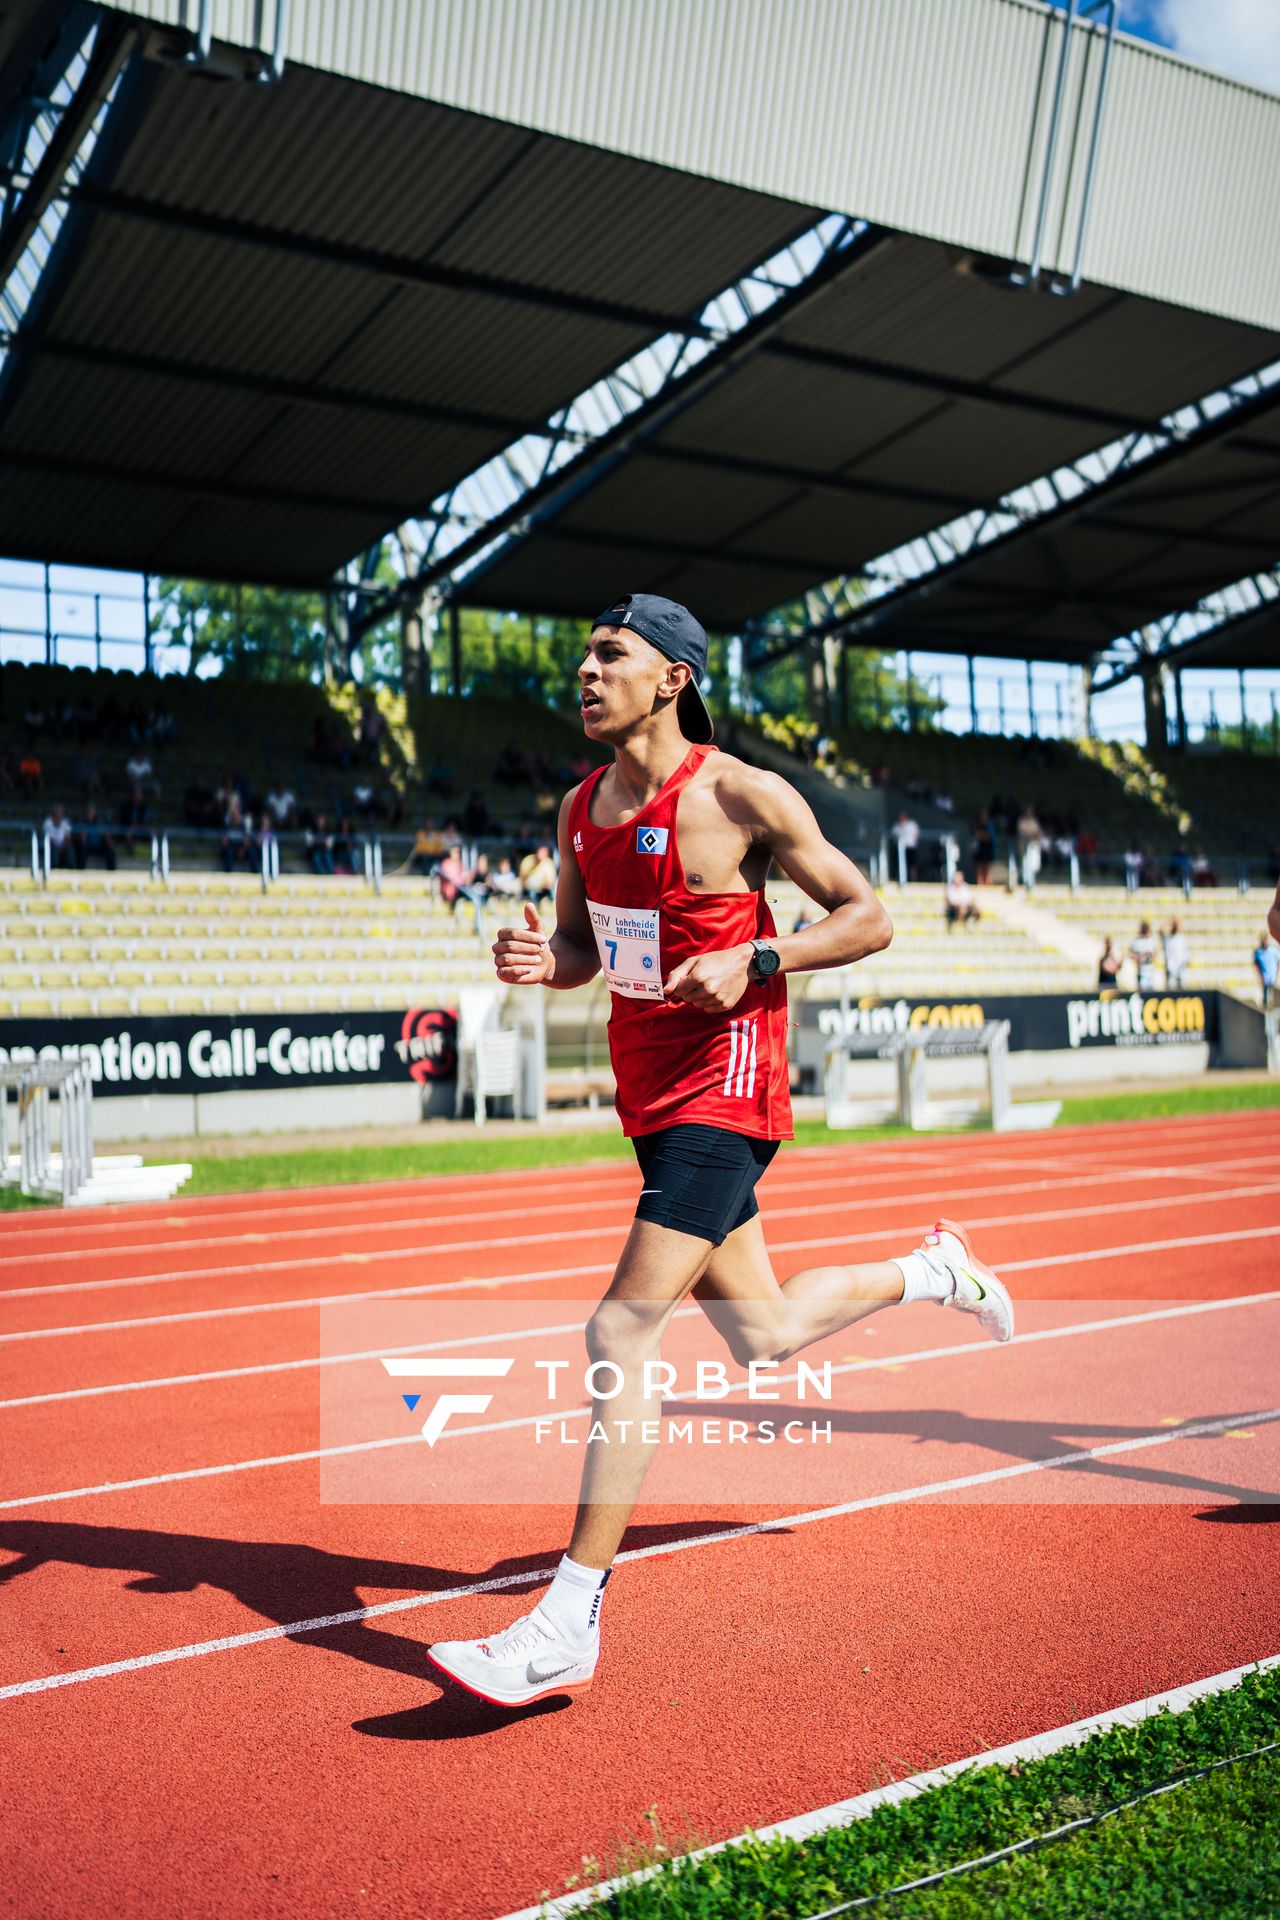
[[272, 322]]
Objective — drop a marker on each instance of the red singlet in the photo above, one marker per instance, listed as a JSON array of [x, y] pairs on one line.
[[675, 1063]]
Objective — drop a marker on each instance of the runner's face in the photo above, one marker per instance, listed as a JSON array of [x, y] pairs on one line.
[[619, 679]]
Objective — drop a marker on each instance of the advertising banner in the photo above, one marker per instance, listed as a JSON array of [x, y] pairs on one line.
[[225, 1053], [1044, 1022]]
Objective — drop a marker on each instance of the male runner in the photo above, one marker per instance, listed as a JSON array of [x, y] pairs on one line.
[[663, 861]]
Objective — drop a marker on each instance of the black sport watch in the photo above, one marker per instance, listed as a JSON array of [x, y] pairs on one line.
[[765, 960]]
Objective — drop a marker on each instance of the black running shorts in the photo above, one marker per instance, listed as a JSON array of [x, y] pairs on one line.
[[700, 1179]]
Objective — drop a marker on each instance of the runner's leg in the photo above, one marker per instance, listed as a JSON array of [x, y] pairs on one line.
[[659, 1266], [771, 1321]]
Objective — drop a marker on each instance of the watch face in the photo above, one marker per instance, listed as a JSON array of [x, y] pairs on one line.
[[768, 960]]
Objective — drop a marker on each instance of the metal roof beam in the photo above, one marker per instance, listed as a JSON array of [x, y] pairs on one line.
[[970, 546], [240, 493], [975, 392], [1220, 616], [811, 479], [294, 393], [842, 248], [398, 268], [111, 49]]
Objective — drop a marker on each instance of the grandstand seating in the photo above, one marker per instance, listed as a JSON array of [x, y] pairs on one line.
[[118, 944], [266, 730]]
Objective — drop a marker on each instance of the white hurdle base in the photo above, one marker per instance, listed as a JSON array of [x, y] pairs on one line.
[[116, 1178]]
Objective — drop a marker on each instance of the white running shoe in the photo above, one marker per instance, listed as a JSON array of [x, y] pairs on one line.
[[977, 1290], [531, 1660]]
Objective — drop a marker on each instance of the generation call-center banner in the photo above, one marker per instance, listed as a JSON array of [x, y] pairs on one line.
[[226, 1053]]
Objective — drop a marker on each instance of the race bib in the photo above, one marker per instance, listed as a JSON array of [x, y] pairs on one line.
[[627, 939]]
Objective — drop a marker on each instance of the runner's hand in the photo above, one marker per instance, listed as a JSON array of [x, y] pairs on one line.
[[522, 955], [713, 981]]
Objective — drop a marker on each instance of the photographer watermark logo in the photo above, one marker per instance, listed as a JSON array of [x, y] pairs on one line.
[[438, 1418]]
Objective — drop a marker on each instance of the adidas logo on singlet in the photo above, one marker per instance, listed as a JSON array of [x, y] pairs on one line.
[[651, 839]]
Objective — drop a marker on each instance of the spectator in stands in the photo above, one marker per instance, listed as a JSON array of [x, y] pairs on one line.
[[428, 848], [1202, 874], [961, 908], [364, 798], [93, 841], [1180, 868], [57, 831], [133, 815], [480, 885], [455, 876], [905, 834], [805, 918], [139, 772], [545, 803], [1143, 954], [1110, 964], [282, 805], [984, 847], [1266, 960], [264, 842], [236, 845], [344, 846], [30, 772], [319, 845], [505, 881], [1086, 849], [1177, 956], [1133, 861], [538, 875]]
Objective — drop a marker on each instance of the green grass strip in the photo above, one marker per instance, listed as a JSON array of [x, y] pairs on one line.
[[490, 1152], [1208, 1847]]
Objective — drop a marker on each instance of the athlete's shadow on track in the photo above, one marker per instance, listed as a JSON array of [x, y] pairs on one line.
[[1029, 1440], [286, 1583]]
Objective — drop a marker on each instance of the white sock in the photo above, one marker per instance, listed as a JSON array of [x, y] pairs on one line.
[[573, 1599], [922, 1280]]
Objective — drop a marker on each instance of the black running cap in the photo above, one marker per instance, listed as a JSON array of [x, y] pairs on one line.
[[672, 629]]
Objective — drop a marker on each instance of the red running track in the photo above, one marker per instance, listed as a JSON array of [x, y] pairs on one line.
[[221, 1765]]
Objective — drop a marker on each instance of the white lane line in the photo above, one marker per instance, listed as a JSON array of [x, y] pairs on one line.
[[582, 1412], [932, 1488], [805, 1826], [865, 1156], [523, 1333], [425, 1288], [623, 1201]]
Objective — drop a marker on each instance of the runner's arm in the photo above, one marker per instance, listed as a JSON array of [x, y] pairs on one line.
[[856, 924], [527, 956]]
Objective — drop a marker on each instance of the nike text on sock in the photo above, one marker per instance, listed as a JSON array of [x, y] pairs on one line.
[[573, 1599], [922, 1279]]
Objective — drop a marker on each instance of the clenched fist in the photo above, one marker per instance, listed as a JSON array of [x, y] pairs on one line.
[[713, 981], [522, 955]]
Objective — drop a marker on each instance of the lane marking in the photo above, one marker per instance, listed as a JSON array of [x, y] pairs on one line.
[[426, 1288], [900, 1158], [895, 1364], [752, 1528], [176, 1275], [806, 1826], [528, 1333]]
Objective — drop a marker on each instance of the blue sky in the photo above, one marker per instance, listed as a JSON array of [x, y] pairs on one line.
[[1236, 37]]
